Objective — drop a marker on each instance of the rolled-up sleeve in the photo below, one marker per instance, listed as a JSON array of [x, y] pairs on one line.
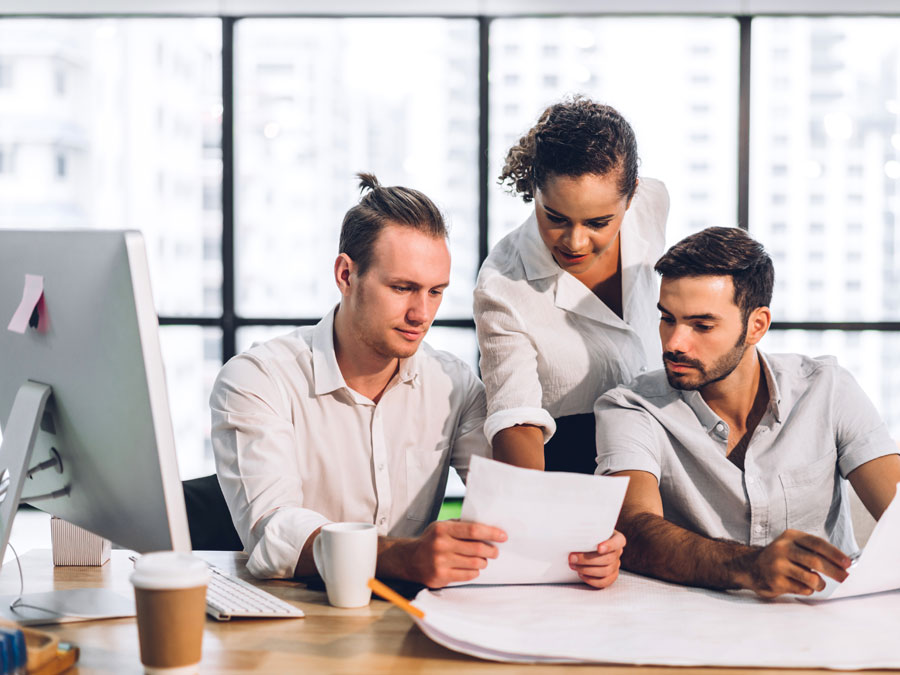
[[254, 443], [860, 433], [625, 438], [509, 366]]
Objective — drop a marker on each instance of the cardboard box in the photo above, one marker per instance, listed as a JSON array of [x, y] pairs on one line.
[[75, 546]]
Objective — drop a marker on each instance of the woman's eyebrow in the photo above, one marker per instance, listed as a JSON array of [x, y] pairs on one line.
[[563, 215]]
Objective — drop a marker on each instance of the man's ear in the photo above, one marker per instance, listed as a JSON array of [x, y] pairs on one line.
[[344, 273], [758, 324]]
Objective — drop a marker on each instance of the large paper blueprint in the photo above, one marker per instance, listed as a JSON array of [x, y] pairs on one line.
[[546, 516], [643, 621], [878, 567]]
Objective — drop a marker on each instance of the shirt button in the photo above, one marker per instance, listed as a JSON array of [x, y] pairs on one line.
[[720, 426], [643, 369], [381, 467], [758, 529], [382, 521]]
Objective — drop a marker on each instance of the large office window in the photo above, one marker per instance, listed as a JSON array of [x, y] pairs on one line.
[[192, 356], [116, 123], [824, 178], [122, 123], [683, 107], [318, 100]]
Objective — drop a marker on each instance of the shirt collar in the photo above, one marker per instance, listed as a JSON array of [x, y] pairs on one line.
[[637, 284], [776, 403], [569, 294], [327, 374], [709, 419], [536, 257], [408, 372], [572, 295], [701, 409]]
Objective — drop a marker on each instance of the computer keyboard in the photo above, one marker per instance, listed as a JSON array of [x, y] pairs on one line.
[[228, 597]]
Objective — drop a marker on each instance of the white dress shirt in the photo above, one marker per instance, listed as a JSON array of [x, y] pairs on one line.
[[549, 346], [296, 448]]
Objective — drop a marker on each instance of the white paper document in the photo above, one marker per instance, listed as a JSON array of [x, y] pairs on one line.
[[546, 516], [878, 566], [643, 621]]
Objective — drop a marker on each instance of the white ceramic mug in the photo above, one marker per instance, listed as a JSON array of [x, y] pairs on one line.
[[345, 557]]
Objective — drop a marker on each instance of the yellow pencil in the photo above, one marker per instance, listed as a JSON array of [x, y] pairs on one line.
[[391, 595]]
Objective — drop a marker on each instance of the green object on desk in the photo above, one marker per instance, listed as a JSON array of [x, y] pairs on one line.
[[451, 508]]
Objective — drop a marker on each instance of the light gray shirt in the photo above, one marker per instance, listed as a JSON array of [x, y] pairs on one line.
[[296, 448], [818, 427]]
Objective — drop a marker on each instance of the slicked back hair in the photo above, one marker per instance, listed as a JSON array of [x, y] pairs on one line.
[[724, 251], [379, 207]]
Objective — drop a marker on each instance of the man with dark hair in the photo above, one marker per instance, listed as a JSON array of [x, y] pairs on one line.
[[738, 459], [355, 418]]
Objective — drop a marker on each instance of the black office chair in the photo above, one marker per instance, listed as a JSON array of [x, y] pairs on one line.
[[209, 520]]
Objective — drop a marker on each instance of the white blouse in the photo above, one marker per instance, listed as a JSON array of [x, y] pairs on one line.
[[549, 346]]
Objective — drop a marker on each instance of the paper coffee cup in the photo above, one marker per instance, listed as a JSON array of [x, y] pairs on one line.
[[345, 555], [170, 598]]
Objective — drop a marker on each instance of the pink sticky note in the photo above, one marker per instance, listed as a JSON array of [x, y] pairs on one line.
[[31, 295]]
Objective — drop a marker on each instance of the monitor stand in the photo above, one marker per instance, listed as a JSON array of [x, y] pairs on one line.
[[16, 450]]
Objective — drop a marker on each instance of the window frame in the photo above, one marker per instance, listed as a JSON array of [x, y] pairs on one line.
[[229, 321]]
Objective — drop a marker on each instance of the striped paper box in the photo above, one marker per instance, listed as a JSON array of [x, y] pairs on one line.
[[75, 546]]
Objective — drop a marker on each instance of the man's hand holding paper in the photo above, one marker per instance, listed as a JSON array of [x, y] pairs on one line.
[[559, 526], [450, 552]]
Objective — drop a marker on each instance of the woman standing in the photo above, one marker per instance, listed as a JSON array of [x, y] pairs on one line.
[[565, 305]]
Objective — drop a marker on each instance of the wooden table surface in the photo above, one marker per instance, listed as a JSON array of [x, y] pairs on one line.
[[376, 639]]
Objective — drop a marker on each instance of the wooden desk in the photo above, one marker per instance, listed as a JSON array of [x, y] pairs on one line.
[[376, 639]]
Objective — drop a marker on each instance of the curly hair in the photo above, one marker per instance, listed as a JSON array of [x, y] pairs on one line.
[[572, 138], [379, 207]]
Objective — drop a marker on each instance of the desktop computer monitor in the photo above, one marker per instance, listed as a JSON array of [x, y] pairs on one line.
[[83, 398]]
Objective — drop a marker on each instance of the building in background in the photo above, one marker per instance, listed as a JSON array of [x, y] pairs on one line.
[[683, 109], [824, 189], [117, 123]]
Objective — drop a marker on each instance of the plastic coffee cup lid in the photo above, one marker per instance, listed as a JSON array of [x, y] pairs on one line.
[[168, 569]]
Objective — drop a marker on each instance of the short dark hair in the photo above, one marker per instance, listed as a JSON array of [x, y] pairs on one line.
[[382, 206], [574, 137], [724, 251]]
